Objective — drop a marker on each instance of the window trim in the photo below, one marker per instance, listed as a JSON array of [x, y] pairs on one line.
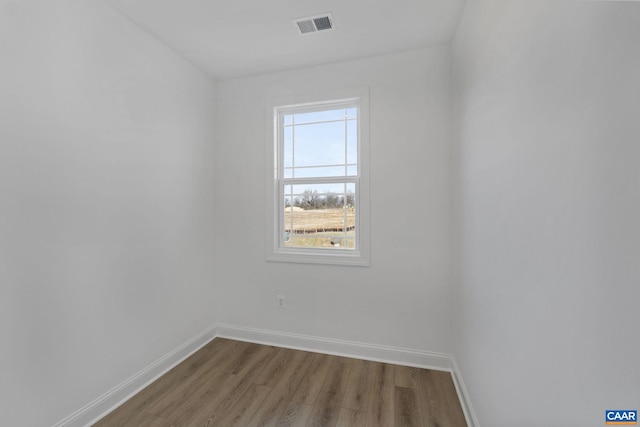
[[274, 252]]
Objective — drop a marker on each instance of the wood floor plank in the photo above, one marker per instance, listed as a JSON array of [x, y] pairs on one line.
[[239, 364], [358, 393], [272, 372], [231, 383], [296, 414], [407, 376], [211, 374], [144, 419], [407, 412], [302, 363], [327, 408], [381, 400], [455, 408], [309, 388], [213, 399], [276, 404], [433, 402], [350, 418], [245, 406], [231, 390]]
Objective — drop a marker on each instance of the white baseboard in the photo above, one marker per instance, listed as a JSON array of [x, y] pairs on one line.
[[463, 396], [109, 401], [97, 409], [376, 353]]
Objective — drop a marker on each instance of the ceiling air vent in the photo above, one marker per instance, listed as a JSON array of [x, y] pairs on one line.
[[312, 24]]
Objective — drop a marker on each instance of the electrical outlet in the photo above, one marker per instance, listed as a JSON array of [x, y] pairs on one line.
[[281, 301]]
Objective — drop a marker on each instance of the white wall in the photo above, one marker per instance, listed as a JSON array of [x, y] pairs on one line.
[[105, 205], [403, 298], [547, 202]]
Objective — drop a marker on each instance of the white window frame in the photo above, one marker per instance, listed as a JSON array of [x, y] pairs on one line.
[[275, 249]]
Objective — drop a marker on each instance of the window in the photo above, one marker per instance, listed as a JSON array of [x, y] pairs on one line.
[[319, 183]]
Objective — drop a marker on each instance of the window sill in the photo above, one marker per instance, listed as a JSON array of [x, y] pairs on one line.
[[353, 258]]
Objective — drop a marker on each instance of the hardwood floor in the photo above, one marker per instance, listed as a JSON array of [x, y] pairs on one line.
[[233, 383]]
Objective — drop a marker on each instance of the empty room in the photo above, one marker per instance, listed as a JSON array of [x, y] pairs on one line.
[[319, 213]]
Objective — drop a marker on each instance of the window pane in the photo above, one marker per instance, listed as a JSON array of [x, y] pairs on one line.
[[352, 142], [320, 216], [319, 144], [320, 171], [287, 194], [288, 147]]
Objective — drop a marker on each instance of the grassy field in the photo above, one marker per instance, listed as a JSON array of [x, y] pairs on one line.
[[320, 228]]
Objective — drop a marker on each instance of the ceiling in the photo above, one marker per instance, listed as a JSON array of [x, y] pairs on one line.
[[237, 38]]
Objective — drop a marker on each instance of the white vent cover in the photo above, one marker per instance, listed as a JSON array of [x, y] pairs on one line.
[[312, 24]]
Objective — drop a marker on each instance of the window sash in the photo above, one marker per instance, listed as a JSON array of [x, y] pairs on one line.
[[281, 225], [302, 109]]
